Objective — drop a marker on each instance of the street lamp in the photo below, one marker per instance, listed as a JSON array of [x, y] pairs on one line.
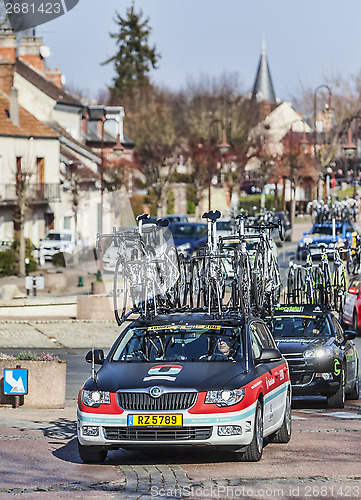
[[99, 113], [328, 107], [303, 143], [350, 150], [223, 147]]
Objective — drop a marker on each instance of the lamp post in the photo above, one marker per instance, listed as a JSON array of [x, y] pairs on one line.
[[303, 143], [223, 147], [350, 150], [329, 109], [99, 114]]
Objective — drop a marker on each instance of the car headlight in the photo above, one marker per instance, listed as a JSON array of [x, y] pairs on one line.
[[321, 352], [225, 398], [301, 244], [184, 248], [95, 398]]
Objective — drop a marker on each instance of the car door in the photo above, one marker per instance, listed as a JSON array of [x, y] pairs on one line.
[[262, 339], [349, 353]]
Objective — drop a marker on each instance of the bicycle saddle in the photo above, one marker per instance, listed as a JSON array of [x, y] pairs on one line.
[[213, 216], [322, 245], [143, 217], [162, 222]]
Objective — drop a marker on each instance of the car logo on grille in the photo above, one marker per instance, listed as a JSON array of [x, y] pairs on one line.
[[155, 392]]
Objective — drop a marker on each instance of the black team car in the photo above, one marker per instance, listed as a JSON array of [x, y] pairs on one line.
[[322, 358], [186, 379]]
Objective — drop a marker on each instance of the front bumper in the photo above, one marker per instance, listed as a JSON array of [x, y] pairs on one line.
[[313, 377], [198, 430]]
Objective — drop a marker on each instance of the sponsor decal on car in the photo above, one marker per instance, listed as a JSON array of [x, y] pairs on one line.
[[163, 372]]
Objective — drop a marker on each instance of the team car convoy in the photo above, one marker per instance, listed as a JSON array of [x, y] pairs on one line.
[[187, 379], [204, 366]]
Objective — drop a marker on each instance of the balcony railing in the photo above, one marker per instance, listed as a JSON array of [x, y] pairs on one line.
[[35, 192]]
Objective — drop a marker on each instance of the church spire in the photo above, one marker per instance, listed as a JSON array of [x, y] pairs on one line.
[[263, 90]]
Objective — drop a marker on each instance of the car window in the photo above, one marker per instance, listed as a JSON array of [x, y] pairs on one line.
[[260, 338], [186, 343], [303, 328], [355, 283], [182, 231], [267, 336], [338, 330], [201, 231]]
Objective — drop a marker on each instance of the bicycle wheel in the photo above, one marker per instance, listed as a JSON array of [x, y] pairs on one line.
[[327, 287], [300, 290], [352, 264], [171, 276], [258, 279], [120, 291], [195, 285], [291, 287], [339, 290], [317, 285], [244, 274], [182, 282]]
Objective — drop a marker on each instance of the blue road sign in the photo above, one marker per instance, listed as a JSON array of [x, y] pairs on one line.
[[15, 381]]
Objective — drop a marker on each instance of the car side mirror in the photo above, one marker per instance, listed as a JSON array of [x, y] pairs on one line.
[[98, 356], [269, 355], [350, 335]]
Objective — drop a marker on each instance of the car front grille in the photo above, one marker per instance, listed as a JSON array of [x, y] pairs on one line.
[[295, 360], [167, 401], [151, 434], [297, 365]]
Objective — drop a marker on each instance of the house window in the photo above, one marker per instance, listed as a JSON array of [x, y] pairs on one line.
[[67, 222]]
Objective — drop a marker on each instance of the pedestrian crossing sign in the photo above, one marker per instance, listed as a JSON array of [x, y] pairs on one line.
[[15, 381]]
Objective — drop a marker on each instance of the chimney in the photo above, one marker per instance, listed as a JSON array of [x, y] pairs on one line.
[[54, 77], [14, 106], [29, 51], [7, 60]]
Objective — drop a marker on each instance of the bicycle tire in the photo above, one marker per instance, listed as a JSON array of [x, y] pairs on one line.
[[120, 291], [258, 279], [299, 286], [291, 289], [339, 290], [244, 284], [172, 275], [327, 287], [182, 287], [317, 285], [352, 264], [195, 285]]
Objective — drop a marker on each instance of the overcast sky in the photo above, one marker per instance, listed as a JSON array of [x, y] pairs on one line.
[[306, 41]]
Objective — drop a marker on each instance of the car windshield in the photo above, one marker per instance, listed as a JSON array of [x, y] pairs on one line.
[[58, 237], [188, 343], [300, 327], [182, 231], [223, 225]]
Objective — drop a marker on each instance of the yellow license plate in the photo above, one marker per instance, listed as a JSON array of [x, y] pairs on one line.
[[155, 420]]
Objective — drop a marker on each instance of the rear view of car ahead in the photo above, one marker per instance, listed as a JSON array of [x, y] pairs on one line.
[[188, 237], [322, 358], [351, 315], [186, 380]]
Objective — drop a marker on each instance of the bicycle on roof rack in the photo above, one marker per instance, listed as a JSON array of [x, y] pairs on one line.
[[146, 270]]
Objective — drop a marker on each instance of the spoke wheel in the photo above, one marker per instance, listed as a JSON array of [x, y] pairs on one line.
[[339, 289], [172, 274], [120, 291], [291, 291], [258, 281], [195, 285], [244, 274]]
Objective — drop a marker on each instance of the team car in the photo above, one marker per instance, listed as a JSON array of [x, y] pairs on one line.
[[351, 315], [340, 234], [322, 358], [186, 379]]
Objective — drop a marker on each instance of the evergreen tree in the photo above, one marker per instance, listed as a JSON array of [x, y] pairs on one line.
[[135, 57]]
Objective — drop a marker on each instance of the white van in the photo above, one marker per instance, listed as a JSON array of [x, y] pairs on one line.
[[58, 241]]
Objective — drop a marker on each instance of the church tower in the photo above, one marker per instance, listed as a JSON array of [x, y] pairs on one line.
[[263, 92]]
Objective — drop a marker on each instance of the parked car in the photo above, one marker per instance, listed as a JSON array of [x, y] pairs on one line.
[[351, 315], [188, 237], [186, 379], [59, 241], [322, 358], [224, 227], [176, 218], [323, 233]]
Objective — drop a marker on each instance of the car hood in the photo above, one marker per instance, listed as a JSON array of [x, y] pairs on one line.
[[202, 376], [299, 345]]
